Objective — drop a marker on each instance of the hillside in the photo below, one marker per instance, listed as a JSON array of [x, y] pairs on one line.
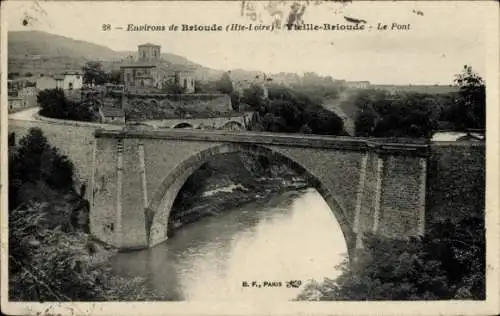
[[41, 52], [23, 44]]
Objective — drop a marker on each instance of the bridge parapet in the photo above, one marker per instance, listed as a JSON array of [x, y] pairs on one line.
[[405, 147]]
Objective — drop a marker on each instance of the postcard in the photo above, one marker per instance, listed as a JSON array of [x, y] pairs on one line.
[[249, 157]]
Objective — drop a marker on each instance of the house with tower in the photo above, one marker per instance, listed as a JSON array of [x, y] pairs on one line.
[[149, 70]]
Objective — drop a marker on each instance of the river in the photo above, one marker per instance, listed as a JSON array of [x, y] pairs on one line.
[[289, 236]]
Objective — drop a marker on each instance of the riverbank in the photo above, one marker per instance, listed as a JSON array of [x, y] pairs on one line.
[[233, 196], [228, 182]]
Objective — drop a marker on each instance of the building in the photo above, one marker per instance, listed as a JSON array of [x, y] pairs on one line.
[[29, 94], [45, 83], [70, 80], [357, 84], [22, 89], [112, 115], [16, 103], [15, 85], [149, 70], [430, 89]]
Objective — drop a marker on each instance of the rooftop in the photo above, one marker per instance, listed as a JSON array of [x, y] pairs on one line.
[[140, 64], [72, 72], [160, 64], [149, 44]]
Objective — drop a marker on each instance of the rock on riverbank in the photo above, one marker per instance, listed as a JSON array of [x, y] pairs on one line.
[[228, 182]]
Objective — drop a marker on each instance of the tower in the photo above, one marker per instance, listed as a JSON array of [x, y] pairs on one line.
[[149, 52]]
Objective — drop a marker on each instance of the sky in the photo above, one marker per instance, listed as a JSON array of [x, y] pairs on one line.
[[440, 41]]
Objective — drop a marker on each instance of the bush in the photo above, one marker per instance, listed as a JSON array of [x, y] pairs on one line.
[[51, 255], [381, 114], [448, 263], [34, 160], [287, 111], [53, 103], [50, 264]]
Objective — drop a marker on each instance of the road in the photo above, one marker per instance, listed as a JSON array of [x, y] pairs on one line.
[[334, 106], [30, 115], [26, 115]]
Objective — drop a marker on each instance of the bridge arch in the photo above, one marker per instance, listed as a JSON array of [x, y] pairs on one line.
[[183, 125], [162, 200], [232, 125]]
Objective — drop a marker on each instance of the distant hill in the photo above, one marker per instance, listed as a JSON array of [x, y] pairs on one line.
[[28, 43], [41, 52]]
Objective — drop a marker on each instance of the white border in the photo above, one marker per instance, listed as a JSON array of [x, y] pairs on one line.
[[490, 306]]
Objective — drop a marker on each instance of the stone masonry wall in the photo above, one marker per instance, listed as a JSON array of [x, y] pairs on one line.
[[103, 221], [368, 196], [132, 201], [142, 108], [337, 170], [456, 181], [401, 201]]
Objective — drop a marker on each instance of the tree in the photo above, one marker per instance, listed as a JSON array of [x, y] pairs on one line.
[[53, 103], [93, 73], [305, 129], [288, 111], [225, 85], [253, 96], [34, 160], [448, 263], [114, 77], [381, 114], [173, 86], [12, 139], [51, 256], [366, 120], [198, 88], [235, 101], [472, 101]]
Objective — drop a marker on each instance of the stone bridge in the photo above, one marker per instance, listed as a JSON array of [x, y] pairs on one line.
[[235, 122], [370, 186]]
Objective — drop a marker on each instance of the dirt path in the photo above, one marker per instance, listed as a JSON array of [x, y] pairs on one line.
[[26, 115], [335, 105]]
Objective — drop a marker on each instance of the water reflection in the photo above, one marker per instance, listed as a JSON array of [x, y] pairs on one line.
[[292, 236]]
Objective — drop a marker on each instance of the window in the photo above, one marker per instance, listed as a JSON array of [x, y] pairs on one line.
[[70, 86], [185, 83], [109, 227], [129, 77]]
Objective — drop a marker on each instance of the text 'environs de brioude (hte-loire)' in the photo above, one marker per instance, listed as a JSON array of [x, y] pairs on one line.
[[246, 27]]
